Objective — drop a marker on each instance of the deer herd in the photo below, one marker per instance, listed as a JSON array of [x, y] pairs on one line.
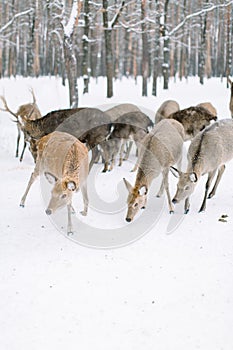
[[61, 140]]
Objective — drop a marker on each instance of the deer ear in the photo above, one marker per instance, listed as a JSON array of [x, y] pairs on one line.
[[128, 185], [193, 177], [50, 177], [143, 190], [175, 171], [71, 186]]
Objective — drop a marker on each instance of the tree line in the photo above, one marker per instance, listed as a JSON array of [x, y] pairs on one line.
[[116, 38]]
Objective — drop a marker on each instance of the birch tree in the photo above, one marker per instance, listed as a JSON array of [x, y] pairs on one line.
[[70, 59]]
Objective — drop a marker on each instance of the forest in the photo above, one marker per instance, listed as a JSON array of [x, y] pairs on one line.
[[115, 38]]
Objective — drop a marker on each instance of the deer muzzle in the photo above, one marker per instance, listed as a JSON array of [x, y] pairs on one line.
[[48, 211]]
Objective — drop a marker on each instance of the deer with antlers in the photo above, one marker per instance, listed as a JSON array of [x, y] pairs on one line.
[[29, 111]]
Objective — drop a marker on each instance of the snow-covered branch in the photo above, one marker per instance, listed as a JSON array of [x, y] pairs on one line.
[[17, 15], [198, 13], [69, 27]]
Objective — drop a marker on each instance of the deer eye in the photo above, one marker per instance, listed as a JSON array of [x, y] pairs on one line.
[[64, 195], [186, 188], [135, 205]]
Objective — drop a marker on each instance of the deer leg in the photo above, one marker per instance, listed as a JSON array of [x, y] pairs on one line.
[[128, 150], [166, 186], [121, 153], [33, 177], [18, 139], [24, 147], [138, 156], [159, 194], [85, 198], [186, 205], [93, 157], [220, 172], [207, 186]]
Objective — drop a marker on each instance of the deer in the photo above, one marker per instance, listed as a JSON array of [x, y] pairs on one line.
[[131, 125], [231, 97], [63, 160], [113, 146], [193, 119], [28, 111], [89, 125], [162, 149], [210, 108], [167, 107], [207, 154]]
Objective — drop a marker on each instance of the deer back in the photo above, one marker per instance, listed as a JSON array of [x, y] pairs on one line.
[[119, 110], [167, 107]]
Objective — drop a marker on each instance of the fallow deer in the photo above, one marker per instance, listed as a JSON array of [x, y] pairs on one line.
[[130, 126], [167, 107], [162, 149], [63, 160], [207, 154], [193, 119]]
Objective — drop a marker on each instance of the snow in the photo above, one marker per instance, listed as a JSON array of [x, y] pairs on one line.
[[170, 290]]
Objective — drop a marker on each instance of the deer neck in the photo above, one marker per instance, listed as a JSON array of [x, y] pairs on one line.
[[33, 128], [143, 178]]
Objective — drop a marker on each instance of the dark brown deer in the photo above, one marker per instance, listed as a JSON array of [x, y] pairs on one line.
[[89, 125], [28, 111], [193, 119], [231, 98]]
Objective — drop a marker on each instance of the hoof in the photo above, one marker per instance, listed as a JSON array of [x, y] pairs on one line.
[[186, 211], [83, 213], [171, 212], [21, 205], [70, 233]]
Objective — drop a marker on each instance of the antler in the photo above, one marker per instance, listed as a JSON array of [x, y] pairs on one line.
[[33, 95], [7, 109]]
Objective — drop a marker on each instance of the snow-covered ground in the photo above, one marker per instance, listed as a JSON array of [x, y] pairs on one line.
[[169, 290]]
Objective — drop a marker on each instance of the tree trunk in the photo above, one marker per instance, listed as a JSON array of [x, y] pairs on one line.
[[108, 50], [166, 51], [145, 63], [85, 63]]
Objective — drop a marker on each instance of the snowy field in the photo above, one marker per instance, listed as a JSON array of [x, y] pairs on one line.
[[169, 290]]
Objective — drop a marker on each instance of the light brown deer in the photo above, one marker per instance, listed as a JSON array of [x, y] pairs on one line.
[[28, 111], [162, 149], [63, 160], [231, 97], [167, 107], [207, 154]]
